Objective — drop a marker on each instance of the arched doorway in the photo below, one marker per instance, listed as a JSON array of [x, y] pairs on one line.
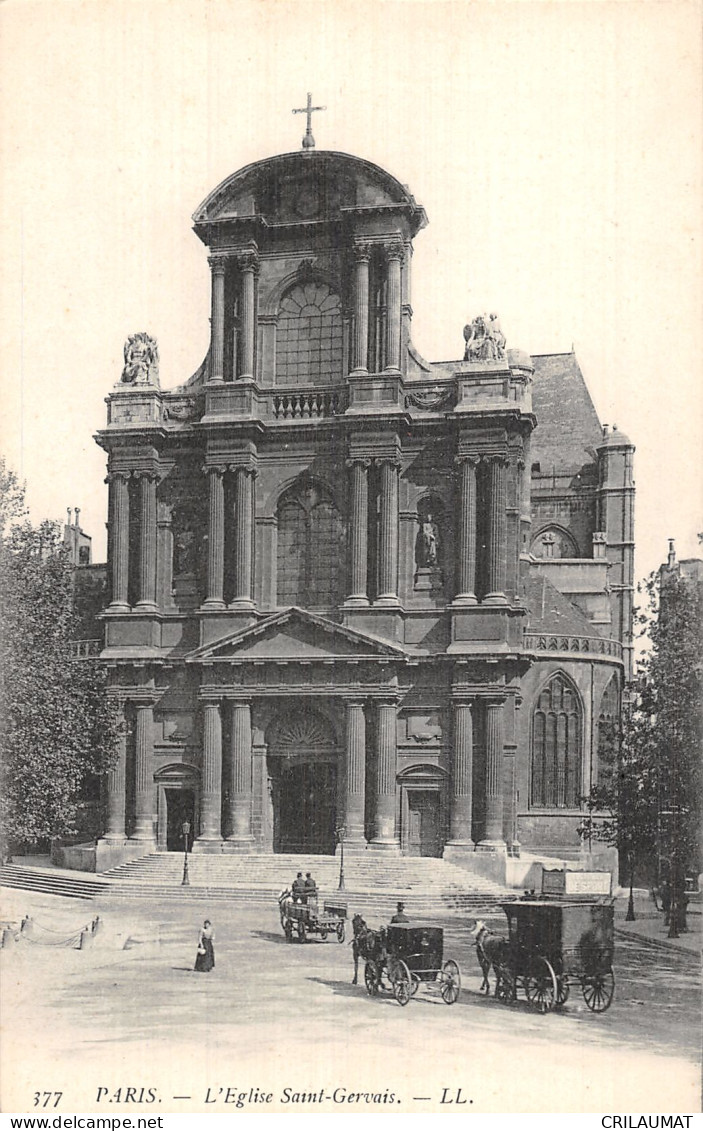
[[178, 794], [302, 765]]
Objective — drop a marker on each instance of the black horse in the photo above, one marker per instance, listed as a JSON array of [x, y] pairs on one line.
[[366, 944], [491, 951]]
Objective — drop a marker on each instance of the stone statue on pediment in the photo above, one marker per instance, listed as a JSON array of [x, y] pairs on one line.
[[484, 338], [141, 360]]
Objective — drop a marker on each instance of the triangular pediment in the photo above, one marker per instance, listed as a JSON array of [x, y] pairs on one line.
[[294, 634]]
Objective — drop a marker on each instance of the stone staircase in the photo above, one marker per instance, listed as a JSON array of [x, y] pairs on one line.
[[52, 881], [373, 882]]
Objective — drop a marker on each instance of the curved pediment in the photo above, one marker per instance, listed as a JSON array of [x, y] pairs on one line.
[[304, 187]]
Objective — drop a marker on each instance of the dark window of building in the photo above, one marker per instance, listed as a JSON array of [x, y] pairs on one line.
[[556, 746], [311, 555], [309, 336], [608, 728]]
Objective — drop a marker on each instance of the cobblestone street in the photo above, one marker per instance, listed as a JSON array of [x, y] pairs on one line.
[[285, 1019]]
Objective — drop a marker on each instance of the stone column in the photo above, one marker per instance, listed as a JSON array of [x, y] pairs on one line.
[[119, 488], [497, 531], [243, 507], [466, 560], [494, 774], [216, 537], [144, 772], [240, 777], [248, 265], [388, 533], [386, 759], [147, 539], [359, 530], [217, 269], [462, 775], [211, 797], [360, 360], [355, 771], [394, 256], [115, 784]]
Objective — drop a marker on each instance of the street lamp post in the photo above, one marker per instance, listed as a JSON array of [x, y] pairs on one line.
[[185, 882], [341, 833]]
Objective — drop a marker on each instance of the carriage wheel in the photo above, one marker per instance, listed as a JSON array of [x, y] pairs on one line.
[[541, 987], [340, 931], [402, 983], [563, 990], [599, 991], [506, 986], [372, 978], [288, 930], [451, 982], [301, 931]]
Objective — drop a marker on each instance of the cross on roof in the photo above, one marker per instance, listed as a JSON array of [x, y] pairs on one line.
[[309, 140]]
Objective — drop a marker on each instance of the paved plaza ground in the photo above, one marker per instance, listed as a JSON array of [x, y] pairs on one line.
[[129, 1012]]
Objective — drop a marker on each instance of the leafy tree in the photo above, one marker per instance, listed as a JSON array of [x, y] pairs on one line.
[[58, 728], [647, 800]]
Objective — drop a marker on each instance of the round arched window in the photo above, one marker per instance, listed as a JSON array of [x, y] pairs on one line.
[[309, 336]]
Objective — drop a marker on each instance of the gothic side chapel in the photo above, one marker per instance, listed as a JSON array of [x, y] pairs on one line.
[[351, 587]]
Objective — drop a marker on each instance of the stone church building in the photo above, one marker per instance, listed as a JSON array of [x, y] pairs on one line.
[[350, 588]]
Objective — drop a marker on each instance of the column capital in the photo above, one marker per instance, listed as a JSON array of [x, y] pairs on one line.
[[247, 468], [117, 475], [218, 264], [207, 699], [466, 458], [354, 701], [389, 460], [216, 468], [362, 251], [248, 261], [500, 459], [394, 249], [358, 461], [146, 473], [463, 699]]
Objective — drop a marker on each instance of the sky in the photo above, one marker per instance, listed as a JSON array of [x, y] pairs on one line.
[[555, 145]]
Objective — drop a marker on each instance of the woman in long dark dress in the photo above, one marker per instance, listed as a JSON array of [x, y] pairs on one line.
[[205, 958]]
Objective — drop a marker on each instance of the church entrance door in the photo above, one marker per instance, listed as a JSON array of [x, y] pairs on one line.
[[180, 807], [302, 765], [304, 814], [424, 823]]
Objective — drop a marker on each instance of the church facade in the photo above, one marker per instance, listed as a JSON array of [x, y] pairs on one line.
[[354, 593]]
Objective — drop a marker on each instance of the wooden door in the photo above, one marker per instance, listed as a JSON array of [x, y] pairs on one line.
[[424, 823]]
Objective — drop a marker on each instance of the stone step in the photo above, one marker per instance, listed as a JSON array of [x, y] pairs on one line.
[[42, 880]]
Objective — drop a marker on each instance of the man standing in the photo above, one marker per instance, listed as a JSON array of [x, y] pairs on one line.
[[299, 888], [400, 916]]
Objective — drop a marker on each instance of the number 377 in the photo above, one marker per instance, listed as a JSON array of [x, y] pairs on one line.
[[47, 1099]]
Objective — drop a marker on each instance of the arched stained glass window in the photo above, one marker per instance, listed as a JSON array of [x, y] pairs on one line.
[[309, 336], [556, 747], [311, 552], [608, 720]]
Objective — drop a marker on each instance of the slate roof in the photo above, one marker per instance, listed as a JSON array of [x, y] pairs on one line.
[[551, 612], [567, 424]]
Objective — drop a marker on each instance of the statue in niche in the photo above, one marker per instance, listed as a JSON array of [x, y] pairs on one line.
[[427, 543], [484, 338], [141, 360], [185, 547]]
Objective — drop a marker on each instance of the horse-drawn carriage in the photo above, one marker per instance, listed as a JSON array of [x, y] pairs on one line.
[[304, 918], [406, 957], [550, 947]]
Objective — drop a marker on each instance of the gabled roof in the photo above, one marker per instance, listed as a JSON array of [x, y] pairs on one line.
[[553, 613], [568, 430], [294, 634]]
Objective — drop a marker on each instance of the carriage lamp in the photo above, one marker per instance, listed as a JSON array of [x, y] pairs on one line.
[[185, 882], [341, 832]]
